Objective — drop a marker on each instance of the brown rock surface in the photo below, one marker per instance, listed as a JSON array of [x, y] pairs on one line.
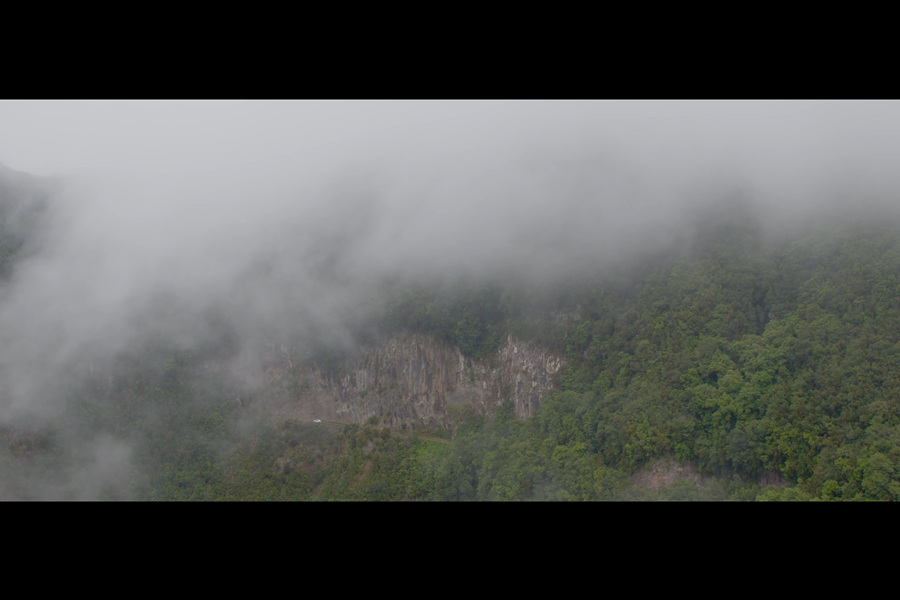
[[413, 380]]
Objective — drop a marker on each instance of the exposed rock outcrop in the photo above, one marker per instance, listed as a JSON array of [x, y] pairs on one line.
[[415, 380], [664, 472]]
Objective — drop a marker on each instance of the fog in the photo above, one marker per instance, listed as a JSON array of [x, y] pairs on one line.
[[280, 213]]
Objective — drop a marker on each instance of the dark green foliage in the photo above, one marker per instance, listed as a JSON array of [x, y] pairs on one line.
[[769, 359]]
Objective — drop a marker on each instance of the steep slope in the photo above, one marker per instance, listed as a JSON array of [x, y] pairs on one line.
[[413, 380]]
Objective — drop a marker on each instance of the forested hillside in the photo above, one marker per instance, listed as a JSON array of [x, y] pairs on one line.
[[753, 360]]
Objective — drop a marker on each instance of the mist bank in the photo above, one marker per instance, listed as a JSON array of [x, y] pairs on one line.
[[280, 222]]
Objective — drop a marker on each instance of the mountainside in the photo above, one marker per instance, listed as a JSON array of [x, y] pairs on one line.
[[733, 364]]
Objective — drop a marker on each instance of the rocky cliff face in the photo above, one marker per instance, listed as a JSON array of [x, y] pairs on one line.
[[664, 472], [417, 381]]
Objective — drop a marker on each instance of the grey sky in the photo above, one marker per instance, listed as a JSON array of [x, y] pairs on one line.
[[195, 142]]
